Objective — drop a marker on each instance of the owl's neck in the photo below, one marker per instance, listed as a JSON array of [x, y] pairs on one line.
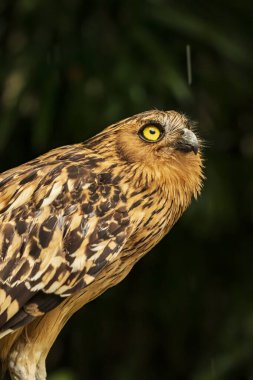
[[179, 177]]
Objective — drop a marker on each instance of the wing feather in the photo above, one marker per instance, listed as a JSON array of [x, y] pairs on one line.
[[60, 225]]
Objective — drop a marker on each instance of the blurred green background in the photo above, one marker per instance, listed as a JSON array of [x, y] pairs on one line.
[[68, 68]]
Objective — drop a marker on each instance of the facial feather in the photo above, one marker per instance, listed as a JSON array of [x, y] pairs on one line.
[[159, 162]]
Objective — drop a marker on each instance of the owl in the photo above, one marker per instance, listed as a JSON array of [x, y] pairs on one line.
[[74, 221]]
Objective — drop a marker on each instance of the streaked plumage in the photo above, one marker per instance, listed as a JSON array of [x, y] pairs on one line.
[[74, 221]]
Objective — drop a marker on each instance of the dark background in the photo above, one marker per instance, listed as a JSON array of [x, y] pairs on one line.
[[68, 68]]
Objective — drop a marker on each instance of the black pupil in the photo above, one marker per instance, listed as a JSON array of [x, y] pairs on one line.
[[152, 131]]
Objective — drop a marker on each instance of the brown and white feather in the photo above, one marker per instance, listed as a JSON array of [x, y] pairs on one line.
[[74, 221]]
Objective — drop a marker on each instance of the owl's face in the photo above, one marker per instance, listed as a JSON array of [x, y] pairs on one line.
[[157, 135], [159, 144]]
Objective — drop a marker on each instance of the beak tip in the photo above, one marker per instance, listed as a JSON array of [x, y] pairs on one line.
[[195, 149]]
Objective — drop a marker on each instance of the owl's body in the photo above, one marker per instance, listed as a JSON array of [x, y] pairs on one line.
[[74, 222]]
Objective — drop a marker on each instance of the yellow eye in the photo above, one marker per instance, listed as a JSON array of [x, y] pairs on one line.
[[151, 133]]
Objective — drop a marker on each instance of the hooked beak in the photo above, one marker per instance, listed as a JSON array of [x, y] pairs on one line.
[[188, 142]]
